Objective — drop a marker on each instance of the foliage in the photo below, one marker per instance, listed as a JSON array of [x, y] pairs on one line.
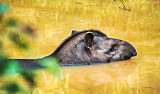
[[15, 38], [11, 22], [8, 67], [29, 77], [3, 7], [53, 67], [11, 88]]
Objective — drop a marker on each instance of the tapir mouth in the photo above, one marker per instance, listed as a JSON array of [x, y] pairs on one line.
[[125, 57]]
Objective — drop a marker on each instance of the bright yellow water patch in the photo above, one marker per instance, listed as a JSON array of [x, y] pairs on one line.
[[53, 21]]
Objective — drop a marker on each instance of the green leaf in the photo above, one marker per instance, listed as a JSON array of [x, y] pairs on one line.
[[29, 77], [11, 88], [52, 65], [12, 68], [3, 64], [11, 22], [3, 8], [15, 38], [0, 45]]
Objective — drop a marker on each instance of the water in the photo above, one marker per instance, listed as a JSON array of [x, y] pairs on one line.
[[53, 22]]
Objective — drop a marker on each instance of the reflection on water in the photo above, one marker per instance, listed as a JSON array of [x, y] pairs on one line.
[[87, 79], [99, 74], [53, 21]]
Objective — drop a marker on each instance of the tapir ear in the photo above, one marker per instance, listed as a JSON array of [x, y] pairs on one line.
[[89, 39], [74, 31]]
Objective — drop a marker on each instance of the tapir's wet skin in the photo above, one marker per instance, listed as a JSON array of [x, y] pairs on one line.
[[30, 65], [92, 46], [72, 64], [92, 64]]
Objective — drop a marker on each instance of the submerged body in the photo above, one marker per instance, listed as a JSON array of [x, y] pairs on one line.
[[86, 48]]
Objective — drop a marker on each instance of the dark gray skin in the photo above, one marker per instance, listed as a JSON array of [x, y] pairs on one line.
[[86, 48], [92, 46]]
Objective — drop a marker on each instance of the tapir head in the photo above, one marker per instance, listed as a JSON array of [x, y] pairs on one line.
[[103, 49]]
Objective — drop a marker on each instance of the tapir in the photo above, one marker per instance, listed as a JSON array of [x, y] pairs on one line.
[[86, 47]]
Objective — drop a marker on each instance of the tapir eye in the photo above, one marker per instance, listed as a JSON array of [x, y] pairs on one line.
[[110, 50], [113, 48]]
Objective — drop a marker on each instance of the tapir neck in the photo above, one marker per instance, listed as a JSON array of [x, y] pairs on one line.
[[72, 50]]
